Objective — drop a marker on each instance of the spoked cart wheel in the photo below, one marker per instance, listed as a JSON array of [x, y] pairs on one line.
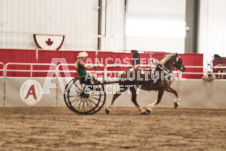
[[65, 94], [84, 97]]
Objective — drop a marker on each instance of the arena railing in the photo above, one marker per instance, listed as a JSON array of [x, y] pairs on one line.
[[31, 70], [220, 74], [67, 70], [177, 74], [145, 66], [204, 71], [115, 72], [105, 70], [152, 66]]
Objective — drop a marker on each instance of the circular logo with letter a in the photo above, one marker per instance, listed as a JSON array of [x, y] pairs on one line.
[[31, 92]]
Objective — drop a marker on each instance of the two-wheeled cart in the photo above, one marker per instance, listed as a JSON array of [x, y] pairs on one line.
[[85, 96]]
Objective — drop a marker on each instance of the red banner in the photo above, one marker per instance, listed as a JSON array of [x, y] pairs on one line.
[[46, 56]]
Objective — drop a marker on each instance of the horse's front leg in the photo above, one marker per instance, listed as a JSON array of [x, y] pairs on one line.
[[152, 105], [177, 100]]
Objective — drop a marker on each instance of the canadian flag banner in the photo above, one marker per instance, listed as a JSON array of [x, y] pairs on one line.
[[49, 42]]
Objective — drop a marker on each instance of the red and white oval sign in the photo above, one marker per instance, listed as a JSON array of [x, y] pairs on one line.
[[31, 92]]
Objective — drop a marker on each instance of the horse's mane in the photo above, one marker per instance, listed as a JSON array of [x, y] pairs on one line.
[[166, 58]]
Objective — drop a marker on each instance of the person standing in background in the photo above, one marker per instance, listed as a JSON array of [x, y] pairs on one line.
[[209, 77]]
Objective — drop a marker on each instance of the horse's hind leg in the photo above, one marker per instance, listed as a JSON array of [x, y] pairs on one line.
[[134, 100], [115, 96], [177, 101]]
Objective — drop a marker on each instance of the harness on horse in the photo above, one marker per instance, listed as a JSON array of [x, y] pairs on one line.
[[153, 74], [152, 81]]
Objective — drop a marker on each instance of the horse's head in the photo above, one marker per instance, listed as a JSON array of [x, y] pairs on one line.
[[178, 63]]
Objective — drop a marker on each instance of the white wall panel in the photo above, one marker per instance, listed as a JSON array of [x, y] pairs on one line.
[[212, 28], [77, 17], [2, 91], [114, 40], [162, 44], [156, 10], [80, 17]]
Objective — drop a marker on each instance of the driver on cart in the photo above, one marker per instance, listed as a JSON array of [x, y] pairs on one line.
[[81, 68]]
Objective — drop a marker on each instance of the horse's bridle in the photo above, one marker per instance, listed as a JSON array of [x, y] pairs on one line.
[[163, 68]]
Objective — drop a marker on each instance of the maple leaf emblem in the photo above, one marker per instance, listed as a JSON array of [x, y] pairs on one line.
[[49, 42]]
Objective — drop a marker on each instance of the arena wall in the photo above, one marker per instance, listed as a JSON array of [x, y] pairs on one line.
[[143, 97], [193, 93], [60, 92], [1, 91], [203, 93], [12, 93]]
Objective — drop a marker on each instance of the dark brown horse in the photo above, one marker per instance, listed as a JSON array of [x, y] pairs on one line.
[[158, 80]]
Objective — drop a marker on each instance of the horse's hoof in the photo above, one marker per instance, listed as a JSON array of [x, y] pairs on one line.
[[143, 113], [107, 111], [148, 112], [175, 105]]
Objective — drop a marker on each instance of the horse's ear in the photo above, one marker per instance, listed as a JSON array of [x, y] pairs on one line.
[[176, 55]]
